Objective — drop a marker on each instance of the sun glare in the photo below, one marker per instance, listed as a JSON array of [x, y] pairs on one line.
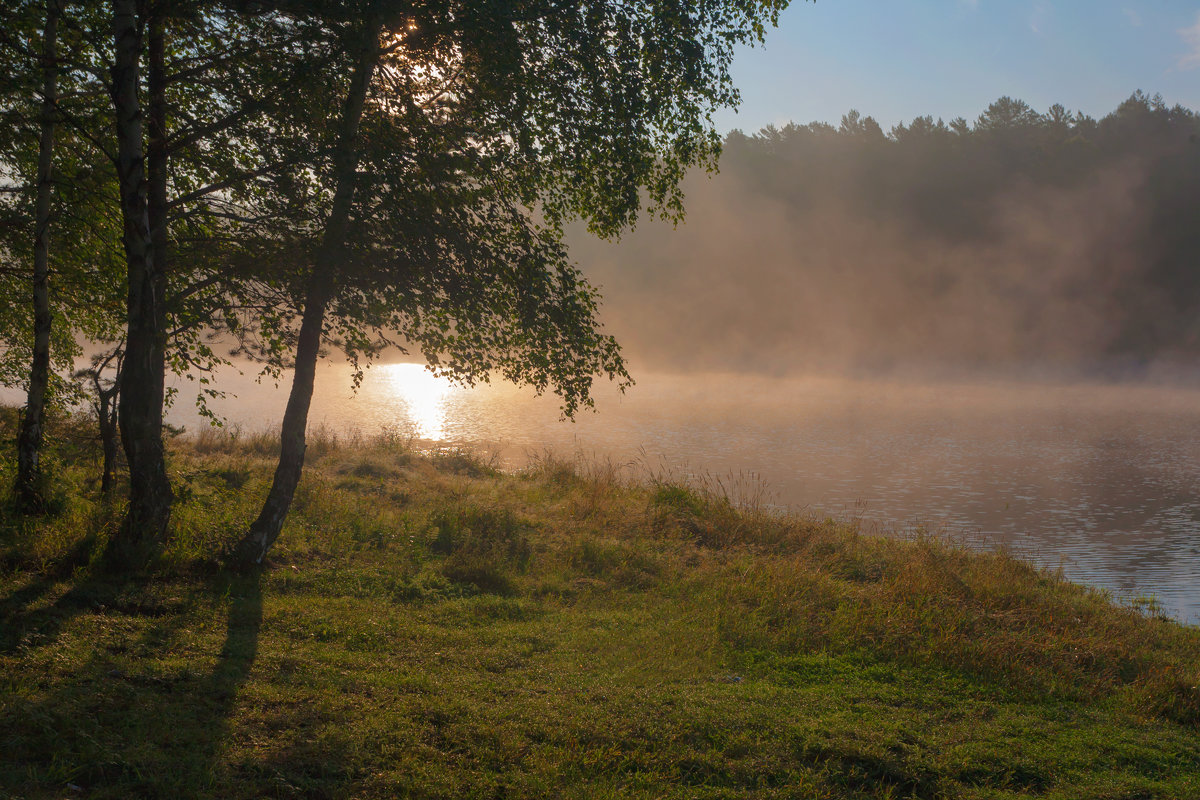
[[422, 395]]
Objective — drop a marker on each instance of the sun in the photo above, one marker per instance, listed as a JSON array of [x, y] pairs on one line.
[[423, 396]]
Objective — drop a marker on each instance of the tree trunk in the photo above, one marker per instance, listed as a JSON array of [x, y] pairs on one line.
[[322, 283], [108, 443], [106, 417], [253, 547], [140, 410], [29, 490]]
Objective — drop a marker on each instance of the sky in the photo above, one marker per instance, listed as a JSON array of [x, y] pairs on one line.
[[895, 60]]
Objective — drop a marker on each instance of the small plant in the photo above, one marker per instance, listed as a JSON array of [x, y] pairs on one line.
[[1148, 605]]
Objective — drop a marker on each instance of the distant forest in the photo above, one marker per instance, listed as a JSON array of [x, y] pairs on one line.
[[1023, 241]]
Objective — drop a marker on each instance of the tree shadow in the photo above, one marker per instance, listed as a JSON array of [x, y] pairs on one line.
[[153, 728], [22, 625], [41, 581], [232, 669], [243, 623]]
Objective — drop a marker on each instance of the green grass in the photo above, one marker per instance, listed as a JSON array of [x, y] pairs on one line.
[[430, 627]]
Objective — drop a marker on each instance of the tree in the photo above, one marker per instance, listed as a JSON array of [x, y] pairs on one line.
[[1007, 114], [490, 125], [28, 488], [143, 228], [103, 392], [54, 194], [182, 158], [857, 126]]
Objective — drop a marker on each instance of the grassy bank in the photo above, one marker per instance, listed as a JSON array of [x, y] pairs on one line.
[[429, 627]]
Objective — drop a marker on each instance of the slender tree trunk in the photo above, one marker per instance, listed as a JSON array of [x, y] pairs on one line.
[[140, 410], [106, 418], [108, 440], [29, 490], [253, 547], [322, 284]]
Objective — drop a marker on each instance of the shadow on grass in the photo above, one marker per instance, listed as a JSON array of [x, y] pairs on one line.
[[230, 672], [24, 625], [134, 718]]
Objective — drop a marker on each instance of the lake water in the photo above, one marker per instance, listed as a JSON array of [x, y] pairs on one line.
[[1101, 480]]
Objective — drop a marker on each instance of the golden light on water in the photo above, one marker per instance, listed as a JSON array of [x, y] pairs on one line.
[[422, 396]]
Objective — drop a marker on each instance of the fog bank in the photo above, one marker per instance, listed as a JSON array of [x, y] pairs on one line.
[[985, 250]]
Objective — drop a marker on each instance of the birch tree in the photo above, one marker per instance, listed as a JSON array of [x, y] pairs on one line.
[[488, 126], [190, 83], [57, 241]]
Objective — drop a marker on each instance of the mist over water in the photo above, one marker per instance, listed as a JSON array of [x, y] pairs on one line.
[[1047, 246], [1098, 479], [751, 283]]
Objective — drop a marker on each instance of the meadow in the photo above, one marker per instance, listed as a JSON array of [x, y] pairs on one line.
[[430, 626]]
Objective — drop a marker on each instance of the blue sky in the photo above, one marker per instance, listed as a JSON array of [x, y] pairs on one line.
[[897, 59]]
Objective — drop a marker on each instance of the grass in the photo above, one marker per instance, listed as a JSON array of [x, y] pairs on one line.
[[431, 627]]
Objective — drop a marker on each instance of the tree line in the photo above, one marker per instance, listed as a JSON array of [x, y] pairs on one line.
[[1023, 241], [296, 175]]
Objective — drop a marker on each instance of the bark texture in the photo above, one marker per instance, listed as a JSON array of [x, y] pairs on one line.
[[322, 283], [140, 410], [29, 489]]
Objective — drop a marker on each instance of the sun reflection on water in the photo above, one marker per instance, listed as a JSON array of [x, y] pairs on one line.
[[423, 396]]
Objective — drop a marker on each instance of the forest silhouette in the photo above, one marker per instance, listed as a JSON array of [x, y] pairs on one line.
[[1026, 242]]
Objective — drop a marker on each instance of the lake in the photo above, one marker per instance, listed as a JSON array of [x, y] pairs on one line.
[[1100, 480]]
